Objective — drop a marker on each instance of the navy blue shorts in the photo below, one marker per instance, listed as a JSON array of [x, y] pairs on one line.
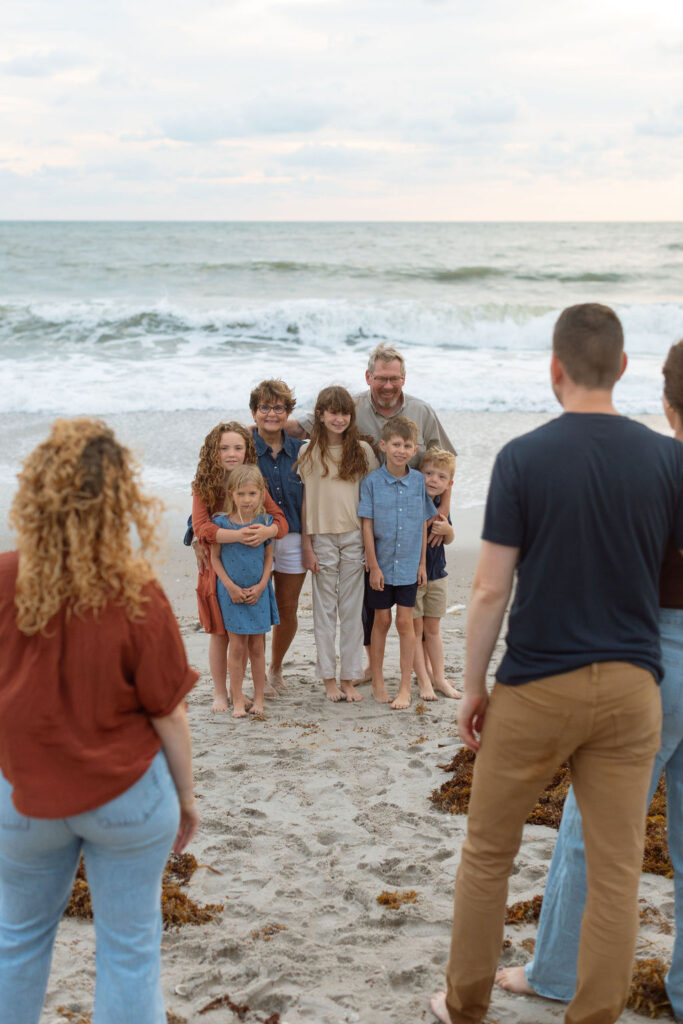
[[391, 595]]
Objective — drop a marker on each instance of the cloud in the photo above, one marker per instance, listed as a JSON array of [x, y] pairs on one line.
[[42, 64], [266, 115]]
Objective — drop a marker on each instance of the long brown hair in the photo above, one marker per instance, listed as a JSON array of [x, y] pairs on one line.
[[353, 464], [78, 496], [209, 481]]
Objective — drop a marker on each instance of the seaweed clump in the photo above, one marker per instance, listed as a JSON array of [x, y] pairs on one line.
[[648, 994], [177, 908], [394, 900], [240, 1010], [453, 797], [524, 912]]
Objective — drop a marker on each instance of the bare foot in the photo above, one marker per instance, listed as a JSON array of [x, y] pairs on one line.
[[220, 703], [437, 1004], [447, 689], [332, 690], [275, 679], [239, 710], [427, 692], [256, 709], [365, 678], [380, 694], [402, 700], [349, 690], [513, 979], [270, 691]]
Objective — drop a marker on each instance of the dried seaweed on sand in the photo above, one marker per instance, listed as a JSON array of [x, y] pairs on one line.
[[453, 797], [394, 900], [177, 908], [524, 912], [648, 994]]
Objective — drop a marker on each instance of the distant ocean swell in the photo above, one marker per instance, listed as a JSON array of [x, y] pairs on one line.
[[106, 355]]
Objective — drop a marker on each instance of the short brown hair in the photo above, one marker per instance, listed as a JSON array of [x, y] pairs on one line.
[[441, 458], [588, 339], [400, 426], [673, 377], [272, 392]]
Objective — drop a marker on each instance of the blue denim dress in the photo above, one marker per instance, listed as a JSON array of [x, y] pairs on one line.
[[244, 566]]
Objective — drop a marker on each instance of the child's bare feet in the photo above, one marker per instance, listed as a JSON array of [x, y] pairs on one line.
[[426, 691], [365, 678], [402, 699], [379, 693], [220, 703], [332, 690], [349, 690], [239, 709], [437, 1004], [447, 689], [275, 679], [270, 691], [256, 709], [513, 979]]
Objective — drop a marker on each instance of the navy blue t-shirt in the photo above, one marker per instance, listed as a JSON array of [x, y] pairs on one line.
[[591, 500], [436, 556]]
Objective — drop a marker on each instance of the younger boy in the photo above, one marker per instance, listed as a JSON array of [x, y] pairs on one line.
[[438, 468], [394, 509]]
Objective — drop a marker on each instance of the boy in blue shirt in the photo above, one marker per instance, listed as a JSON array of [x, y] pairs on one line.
[[394, 509]]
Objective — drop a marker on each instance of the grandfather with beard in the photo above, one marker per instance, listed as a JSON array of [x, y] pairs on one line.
[[385, 377]]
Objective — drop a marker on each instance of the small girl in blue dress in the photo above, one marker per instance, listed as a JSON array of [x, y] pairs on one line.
[[243, 587]]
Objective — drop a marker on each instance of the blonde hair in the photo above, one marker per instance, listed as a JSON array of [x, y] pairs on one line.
[[385, 354], [240, 477], [209, 481], [78, 496], [439, 457]]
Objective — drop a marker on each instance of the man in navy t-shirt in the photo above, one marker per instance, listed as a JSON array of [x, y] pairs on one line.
[[582, 509]]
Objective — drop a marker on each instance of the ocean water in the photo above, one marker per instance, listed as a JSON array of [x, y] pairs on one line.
[[103, 318]]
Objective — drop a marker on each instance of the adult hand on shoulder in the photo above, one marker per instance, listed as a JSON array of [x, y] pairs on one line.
[[471, 714], [189, 820]]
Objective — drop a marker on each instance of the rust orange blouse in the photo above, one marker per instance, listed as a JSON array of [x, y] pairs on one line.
[[75, 704]]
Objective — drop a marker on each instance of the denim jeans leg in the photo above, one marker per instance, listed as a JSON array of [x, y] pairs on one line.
[[552, 972], [126, 844], [38, 861], [671, 631]]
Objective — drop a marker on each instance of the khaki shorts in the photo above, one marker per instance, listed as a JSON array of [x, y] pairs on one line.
[[432, 600]]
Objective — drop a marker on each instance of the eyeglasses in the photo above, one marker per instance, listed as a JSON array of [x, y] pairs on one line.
[[279, 409], [394, 381]]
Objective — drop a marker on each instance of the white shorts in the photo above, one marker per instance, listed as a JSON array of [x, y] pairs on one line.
[[287, 554]]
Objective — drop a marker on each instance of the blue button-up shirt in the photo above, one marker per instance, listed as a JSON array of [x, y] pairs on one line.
[[398, 507], [284, 484]]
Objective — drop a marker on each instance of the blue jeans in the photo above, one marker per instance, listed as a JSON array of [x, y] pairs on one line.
[[552, 972], [125, 844]]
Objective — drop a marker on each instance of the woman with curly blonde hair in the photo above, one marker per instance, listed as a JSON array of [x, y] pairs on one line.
[[226, 446], [94, 742]]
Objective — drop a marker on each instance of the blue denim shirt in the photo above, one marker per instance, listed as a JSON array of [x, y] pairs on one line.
[[284, 484], [398, 507]]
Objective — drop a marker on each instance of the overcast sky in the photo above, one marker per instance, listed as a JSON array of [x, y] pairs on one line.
[[341, 109]]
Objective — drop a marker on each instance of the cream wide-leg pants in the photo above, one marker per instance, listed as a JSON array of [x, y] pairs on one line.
[[338, 592]]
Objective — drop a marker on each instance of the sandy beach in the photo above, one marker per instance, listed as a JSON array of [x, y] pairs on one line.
[[308, 815]]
